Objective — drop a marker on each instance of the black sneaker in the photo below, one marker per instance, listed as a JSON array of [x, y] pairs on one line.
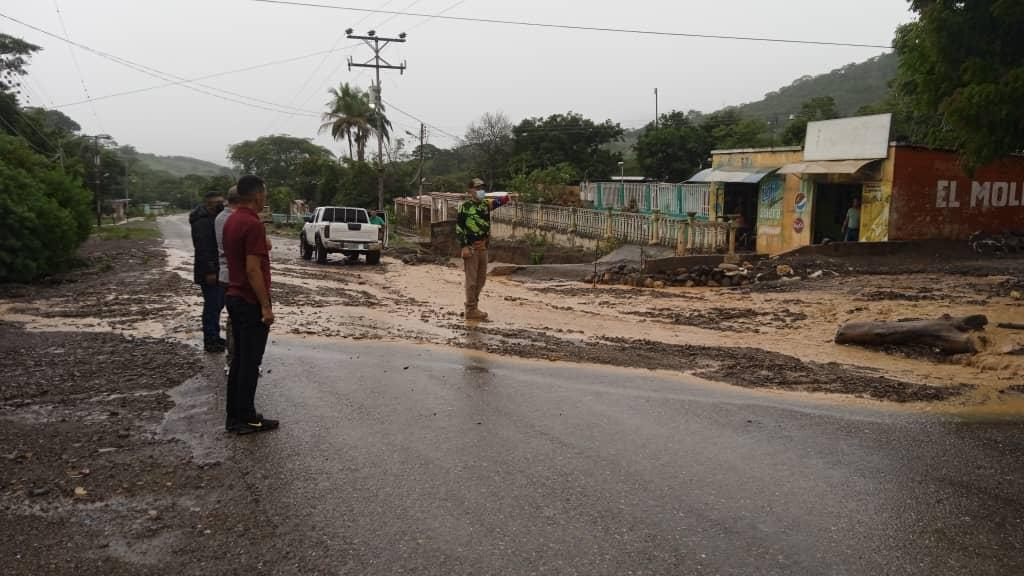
[[221, 341], [256, 425], [214, 348], [231, 424]]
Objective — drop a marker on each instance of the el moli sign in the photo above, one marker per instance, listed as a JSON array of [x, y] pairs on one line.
[[981, 194]]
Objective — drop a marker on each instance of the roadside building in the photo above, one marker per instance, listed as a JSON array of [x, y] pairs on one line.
[[905, 192], [119, 209], [742, 185], [155, 208]]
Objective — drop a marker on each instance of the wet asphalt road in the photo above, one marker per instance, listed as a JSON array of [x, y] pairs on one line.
[[396, 458], [467, 464]]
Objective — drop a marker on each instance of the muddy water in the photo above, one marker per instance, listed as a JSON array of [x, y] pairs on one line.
[[424, 303]]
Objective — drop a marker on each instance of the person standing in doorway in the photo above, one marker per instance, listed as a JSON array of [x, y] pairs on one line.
[[249, 305], [851, 224], [473, 229], [222, 261], [206, 268]]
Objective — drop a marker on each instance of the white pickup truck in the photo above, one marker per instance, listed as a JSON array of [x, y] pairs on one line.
[[338, 229]]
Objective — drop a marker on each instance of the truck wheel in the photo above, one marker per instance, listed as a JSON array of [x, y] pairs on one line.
[[321, 252], [373, 257], [305, 249]]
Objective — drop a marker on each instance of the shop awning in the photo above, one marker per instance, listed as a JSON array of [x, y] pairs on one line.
[[731, 175], [826, 167]]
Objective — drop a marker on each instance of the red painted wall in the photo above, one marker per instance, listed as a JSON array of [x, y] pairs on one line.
[[932, 197]]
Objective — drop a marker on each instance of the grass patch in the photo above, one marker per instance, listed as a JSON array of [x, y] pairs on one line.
[[126, 232]]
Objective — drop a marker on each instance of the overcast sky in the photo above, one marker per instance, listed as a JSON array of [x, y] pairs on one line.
[[457, 71]]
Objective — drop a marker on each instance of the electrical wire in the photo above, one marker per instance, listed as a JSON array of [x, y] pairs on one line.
[[302, 88], [74, 58], [362, 71], [421, 121], [583, 28], [32, 125], [216, 92], [17, 133], [206, 77]]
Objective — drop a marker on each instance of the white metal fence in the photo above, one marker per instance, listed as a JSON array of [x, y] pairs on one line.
[[671, 199]]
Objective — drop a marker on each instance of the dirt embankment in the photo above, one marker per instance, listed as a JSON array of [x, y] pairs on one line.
[[89, 483]]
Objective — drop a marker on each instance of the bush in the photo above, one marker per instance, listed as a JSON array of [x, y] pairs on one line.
[[44, 214]]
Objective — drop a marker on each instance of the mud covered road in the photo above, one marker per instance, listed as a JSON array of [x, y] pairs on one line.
[[771, 337], [672, 434]]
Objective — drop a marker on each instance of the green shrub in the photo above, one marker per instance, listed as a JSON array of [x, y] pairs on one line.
[[44, 214]]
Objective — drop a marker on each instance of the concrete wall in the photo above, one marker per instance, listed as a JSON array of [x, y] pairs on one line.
[[932, 197], [507, 231]]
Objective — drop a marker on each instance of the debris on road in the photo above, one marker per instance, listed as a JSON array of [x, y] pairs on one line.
[[947, 334]]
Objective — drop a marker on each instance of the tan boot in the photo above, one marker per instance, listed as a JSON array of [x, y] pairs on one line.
[[476, 314]]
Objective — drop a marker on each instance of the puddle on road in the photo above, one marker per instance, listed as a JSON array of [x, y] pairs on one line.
[[194, 415]]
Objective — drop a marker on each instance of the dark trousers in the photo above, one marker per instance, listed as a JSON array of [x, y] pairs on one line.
[[250, 340], [213, 305]]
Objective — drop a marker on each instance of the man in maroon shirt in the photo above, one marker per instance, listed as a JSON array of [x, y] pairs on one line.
[[248, 300]]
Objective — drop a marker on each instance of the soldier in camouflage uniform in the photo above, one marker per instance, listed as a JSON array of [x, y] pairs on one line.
[[473, 228]]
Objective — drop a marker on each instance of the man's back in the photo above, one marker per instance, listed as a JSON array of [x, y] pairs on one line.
[[218, 228], [204, 241]]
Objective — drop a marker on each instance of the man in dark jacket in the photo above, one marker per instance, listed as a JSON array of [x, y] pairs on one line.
[[206, 267]]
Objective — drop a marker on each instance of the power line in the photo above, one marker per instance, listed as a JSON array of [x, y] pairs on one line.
[[74, 58], [337, 68], [302, 88], [218, 92], [421, 121], [206, 77], [583, 28], [57, 149], [18, 133]]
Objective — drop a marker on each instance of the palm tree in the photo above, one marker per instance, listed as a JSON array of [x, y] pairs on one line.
[[351, 116], [374, 119]]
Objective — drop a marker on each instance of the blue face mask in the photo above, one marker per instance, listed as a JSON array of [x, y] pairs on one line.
[[481, 194]]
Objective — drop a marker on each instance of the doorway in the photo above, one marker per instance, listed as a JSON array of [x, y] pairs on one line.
[[831, 201], [742, 199]]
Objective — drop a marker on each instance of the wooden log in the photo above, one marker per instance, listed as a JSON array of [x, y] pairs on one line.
[[1011, 326], [947, 334]]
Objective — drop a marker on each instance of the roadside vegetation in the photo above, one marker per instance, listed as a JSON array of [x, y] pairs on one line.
[[126, 232]]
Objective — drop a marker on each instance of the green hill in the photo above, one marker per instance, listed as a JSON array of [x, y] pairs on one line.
[[181, 165], [852, 86]]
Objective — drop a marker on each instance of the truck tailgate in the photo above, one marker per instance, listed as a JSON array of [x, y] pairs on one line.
[[342, 232]]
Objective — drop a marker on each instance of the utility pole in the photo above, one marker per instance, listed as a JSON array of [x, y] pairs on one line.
[[97, 165], [377, 44], [423, 142], [96, 176], [419, 172], [655, 108]]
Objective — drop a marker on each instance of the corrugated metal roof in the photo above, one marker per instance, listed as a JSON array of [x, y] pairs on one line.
[[732, 175], [755, 150], [826, 167]]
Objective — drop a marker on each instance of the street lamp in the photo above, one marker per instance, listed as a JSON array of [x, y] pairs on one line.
[[622, 183]]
